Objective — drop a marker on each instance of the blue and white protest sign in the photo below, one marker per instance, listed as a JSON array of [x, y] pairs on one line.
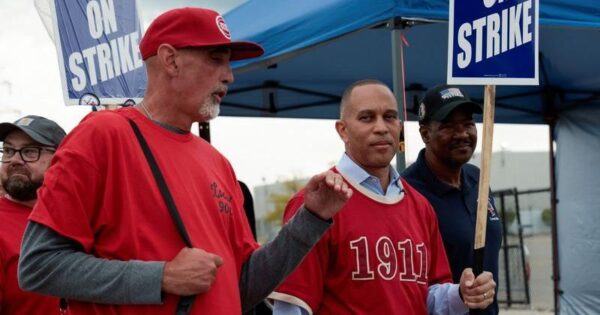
[[97, 43], [493, 42]]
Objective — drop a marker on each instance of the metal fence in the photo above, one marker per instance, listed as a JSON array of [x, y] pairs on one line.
[[513, 287]]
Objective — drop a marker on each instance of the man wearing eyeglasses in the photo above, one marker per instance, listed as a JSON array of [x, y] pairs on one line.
[[28, 146]]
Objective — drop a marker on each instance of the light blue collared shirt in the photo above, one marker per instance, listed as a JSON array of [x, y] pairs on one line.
[[355, 173], [442, 299]]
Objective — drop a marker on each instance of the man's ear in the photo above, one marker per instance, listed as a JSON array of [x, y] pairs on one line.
[[340, 127], [167, 57], [425, 133]]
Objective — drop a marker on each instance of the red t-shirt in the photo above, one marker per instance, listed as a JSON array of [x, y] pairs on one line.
[[379, 257], [100, 192], [13, 300]]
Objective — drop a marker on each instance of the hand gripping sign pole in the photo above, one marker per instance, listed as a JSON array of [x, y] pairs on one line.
[[484, 180]]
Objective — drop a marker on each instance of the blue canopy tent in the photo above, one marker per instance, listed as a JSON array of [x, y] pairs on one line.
[[314, 49]]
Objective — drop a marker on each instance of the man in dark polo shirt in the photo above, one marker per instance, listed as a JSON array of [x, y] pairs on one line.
[[441, 173]]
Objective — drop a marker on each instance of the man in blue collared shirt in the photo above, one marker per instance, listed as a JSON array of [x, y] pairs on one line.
[[442, 175], [382, 256]]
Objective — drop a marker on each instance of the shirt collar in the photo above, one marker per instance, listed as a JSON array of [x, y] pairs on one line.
[[439, 187], [357, 174]]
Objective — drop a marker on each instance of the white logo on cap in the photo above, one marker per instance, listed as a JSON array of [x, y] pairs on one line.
[[223, 27], [422, 111], [450, 93], [24, 121]]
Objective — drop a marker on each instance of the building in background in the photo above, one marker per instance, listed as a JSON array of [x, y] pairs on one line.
[[529, 174]]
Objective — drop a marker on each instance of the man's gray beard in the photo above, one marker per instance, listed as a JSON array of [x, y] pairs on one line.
[[209, 111], [21, 190]]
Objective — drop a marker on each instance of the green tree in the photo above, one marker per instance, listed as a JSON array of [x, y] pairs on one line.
[[510, 216], [280, 200], [547, 216]]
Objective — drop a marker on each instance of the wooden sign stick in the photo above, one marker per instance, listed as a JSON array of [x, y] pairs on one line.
[[484, 179]]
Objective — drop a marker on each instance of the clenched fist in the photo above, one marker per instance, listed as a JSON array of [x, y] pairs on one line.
[[191, 272]]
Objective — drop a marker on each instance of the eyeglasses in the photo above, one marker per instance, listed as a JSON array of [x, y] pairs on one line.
[[28, 154]]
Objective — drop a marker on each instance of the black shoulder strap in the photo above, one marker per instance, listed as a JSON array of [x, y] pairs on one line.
[[162, 185], [185, 303]]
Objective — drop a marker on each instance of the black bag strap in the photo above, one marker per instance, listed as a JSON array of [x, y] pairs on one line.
[[185, 302]]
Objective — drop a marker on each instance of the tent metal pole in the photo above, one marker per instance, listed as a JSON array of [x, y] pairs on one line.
[[553, 202], [398, 87]]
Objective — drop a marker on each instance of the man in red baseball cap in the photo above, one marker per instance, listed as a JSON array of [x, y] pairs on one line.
[[102, 235]]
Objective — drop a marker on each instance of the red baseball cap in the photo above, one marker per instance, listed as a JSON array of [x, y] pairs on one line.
[[194, 27]]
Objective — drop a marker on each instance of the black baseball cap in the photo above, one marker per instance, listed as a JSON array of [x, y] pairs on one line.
[[40, 129], [440, 100]]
